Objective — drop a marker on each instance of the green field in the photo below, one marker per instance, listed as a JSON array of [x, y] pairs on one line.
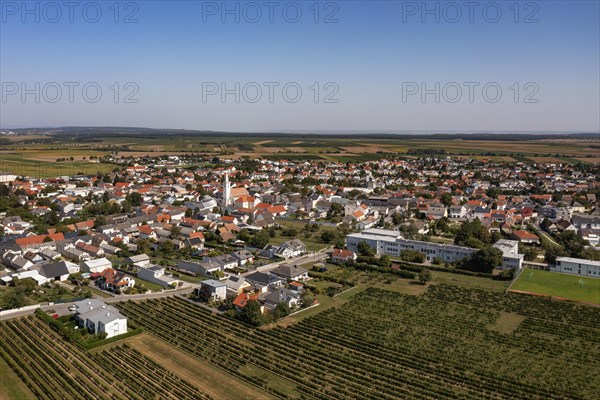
[[560, 285], [450, 342], [35, 155]]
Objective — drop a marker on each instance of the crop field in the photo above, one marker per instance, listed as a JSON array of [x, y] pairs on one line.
[[446, 342], [449, 343], [35, 155], [52, 368], [40, 163], [555, 284]]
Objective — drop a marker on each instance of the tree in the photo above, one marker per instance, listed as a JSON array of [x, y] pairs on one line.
[[100, 220], [166, 247], [251, 314], [290, 232], [412, 256], [384, 261], [281, 310], [484, 260], [175, 232], [260, 239], [15, 298], [307, 299], [330, 236], [365, 250], [424, 276], [472, 234], [397, 218], [553, 251]]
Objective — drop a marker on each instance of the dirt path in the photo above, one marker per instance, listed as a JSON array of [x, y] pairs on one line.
[[209, 379]]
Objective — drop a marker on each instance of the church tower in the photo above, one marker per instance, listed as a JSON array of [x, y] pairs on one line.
[[226, 191]]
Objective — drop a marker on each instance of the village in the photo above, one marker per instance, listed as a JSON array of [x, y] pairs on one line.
[[232, 233]]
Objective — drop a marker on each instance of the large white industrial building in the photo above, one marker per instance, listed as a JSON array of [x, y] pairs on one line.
[[391, 243], [578, 266]]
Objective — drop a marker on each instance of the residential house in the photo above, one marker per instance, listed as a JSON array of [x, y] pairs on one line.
[[291, 272], [243, 257], [237, 284], [211, 289], [98, 317], [242, 299], [206, 267], [262, 282], [140, 260], [290, 249], [340, 256], [97, 265], [525, 237], [111, 279], [156, 274], [282, 295]]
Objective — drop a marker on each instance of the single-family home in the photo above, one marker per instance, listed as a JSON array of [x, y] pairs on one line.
[[211, 289], [140, 260], [97, 265], [282, 295], [156, 274], [291, 272], [291, 248], [98, 317], [340, 256], [237, 284]]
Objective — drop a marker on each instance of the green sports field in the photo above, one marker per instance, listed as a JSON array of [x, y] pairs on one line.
[[560, 285]]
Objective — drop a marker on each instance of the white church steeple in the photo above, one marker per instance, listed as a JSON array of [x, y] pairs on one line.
[[227, 200]]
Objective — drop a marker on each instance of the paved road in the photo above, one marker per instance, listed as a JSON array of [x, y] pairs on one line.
[[15, 313], [306, 259], [63, 308]]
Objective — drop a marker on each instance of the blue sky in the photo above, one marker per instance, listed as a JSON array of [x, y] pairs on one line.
[[544, 59]]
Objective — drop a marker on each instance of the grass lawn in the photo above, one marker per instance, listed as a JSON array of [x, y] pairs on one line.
[[560, 285], [191, 279], [97, 292], [149, 285], [313, 242], [474, 282]]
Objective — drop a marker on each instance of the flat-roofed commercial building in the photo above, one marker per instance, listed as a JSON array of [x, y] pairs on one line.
[[578, 266], [391, 243]]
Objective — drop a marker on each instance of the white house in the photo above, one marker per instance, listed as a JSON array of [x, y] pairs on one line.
[[141, 260], [292, 248], [212, 289], [578, 266], [97, 265], [156, 274], [97, 317], [291, 272], [236, 284]]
